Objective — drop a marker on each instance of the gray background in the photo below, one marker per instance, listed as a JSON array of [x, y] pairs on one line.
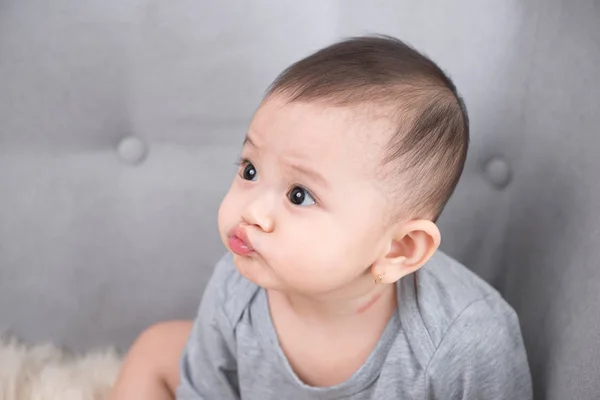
[[93, 248]]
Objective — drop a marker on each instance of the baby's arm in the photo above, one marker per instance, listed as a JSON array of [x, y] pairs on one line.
[[482, 357], [186, 360], [151, 368]]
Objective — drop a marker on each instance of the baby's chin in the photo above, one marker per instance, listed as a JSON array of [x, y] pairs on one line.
[[254, 269]]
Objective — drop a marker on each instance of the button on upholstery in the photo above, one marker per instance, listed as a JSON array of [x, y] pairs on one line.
[[497, 172], [132, 150]]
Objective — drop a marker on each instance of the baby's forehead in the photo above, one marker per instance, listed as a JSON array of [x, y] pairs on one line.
[[364, 127], [343, 143]]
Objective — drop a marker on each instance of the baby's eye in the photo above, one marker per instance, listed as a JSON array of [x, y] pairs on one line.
[[300, 196], [249, 172]]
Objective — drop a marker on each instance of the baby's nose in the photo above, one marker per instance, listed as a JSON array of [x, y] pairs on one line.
[[260, 213]]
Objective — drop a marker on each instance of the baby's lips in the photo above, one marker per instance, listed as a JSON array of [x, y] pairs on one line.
[[239, 242], [240, 232]]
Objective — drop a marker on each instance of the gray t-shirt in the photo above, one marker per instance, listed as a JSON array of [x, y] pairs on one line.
[[453, 337]]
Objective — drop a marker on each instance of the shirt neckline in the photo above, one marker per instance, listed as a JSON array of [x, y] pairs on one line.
[[359, 381]]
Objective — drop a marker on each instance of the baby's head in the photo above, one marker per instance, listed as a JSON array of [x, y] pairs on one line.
[[346, 166]]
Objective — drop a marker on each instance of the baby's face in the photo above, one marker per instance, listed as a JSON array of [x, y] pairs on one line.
[[304, 214]]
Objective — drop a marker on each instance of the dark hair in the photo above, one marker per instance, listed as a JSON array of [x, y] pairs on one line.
[[430, 123]]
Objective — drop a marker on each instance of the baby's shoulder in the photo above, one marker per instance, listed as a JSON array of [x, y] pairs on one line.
[[445, 292], [228, 290]]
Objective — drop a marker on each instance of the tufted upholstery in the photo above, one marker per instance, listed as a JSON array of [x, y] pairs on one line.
[[120, 123]]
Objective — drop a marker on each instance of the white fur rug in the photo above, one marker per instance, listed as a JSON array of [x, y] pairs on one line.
[[44, 372]]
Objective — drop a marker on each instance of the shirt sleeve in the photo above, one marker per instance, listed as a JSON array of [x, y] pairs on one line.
[[208, 366], [482, 357]]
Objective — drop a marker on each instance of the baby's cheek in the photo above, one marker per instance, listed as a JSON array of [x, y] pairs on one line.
[[297, 245], [221, 216], [227, 213], [323, 248]]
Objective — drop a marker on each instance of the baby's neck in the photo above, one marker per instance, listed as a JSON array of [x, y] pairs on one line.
[[327, 339], [371, 301]]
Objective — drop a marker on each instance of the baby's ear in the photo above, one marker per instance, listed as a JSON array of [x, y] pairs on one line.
[[411, 245]]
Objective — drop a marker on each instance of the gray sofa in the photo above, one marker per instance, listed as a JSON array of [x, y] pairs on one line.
[[120, 123]]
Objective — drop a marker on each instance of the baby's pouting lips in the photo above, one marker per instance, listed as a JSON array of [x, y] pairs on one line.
[[238, 241]]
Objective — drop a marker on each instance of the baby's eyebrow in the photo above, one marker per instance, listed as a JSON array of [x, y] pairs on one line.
[[312, 174], [248, 140]]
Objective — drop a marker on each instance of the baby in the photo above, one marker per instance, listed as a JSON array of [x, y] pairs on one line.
[[333, 287]]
